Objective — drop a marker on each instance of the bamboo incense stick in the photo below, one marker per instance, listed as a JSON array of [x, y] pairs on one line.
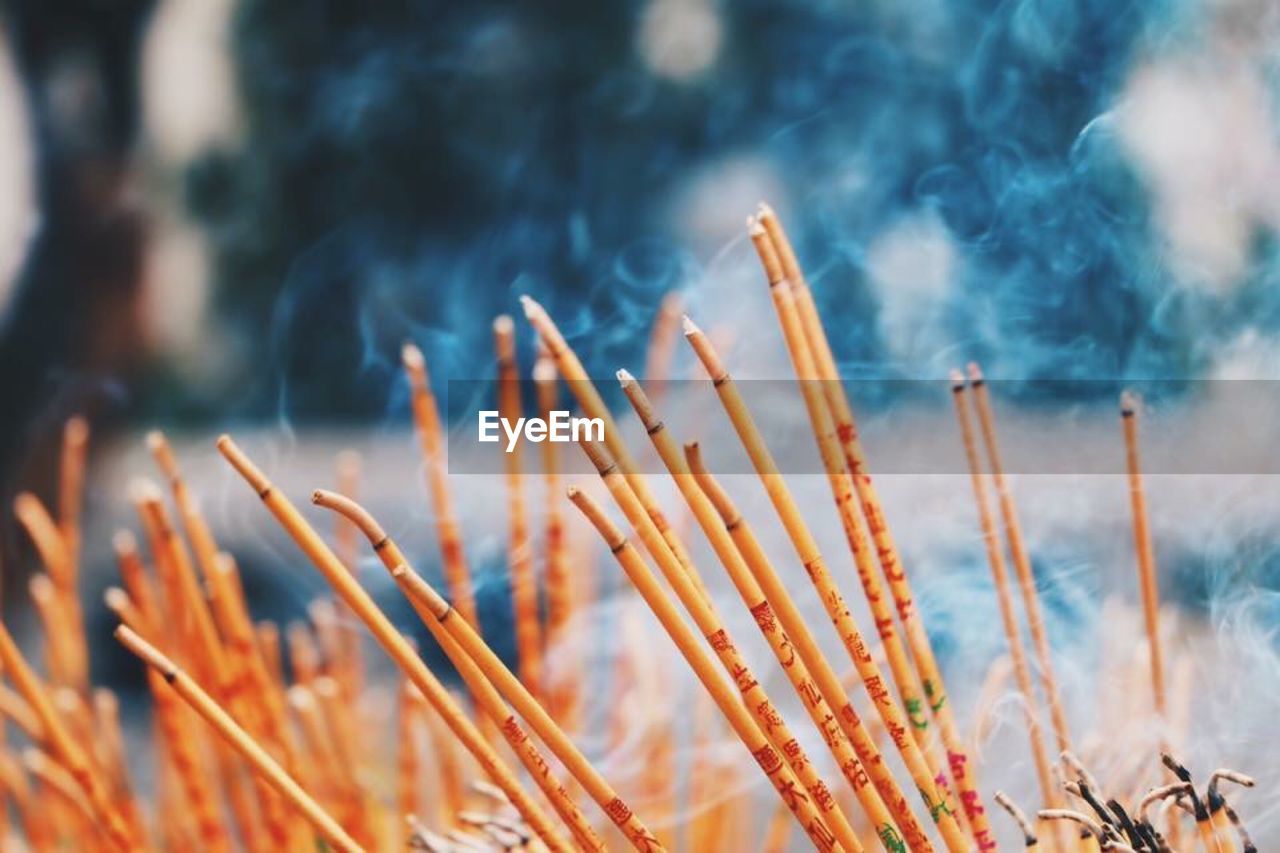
[[1004, 597], [426, 417], [1204, 824], [524, 586], [470, 654], [1146, 553], [233, 734], [843, 728], [390, 639], [60, 742], [762, 611], [839, 479], [815, 566], [1021, 559], [846, 430], [731, 706], [589, 400]]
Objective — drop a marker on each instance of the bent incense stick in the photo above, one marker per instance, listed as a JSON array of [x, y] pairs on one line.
[[730, 705], [812, 336], [358, 600], [761, 610], [810, 557], [470, 654]]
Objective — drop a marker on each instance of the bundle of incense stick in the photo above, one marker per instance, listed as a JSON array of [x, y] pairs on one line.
[[268, 737]]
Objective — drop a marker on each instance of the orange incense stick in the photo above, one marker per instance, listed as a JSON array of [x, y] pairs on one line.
[[731, 706], [1146, 554], [492, 683], [838, 730], [1021, 560], [559, 587], [431, 435], [60, 742], [808, 343], [841, 482], [584, 390], [71, 472], [230, 731], [754, 598], [524, 586], [61, 565], [1000, 579], [806, 548], [390, 639], [662, 344]]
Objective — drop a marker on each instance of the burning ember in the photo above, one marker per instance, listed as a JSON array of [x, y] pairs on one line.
[[249, 757]]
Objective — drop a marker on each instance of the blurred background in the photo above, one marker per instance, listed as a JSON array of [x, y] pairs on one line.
[[232, 213]]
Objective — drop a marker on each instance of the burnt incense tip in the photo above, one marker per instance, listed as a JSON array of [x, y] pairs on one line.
[[124, 542], [530, 306], [765, 211], [625, 378], [957, 379], [144, 491], [1128, 403], [544, 369], [690, 327], [411, 357], [503, 324], [975, 373], [572, 493], [754, 228]]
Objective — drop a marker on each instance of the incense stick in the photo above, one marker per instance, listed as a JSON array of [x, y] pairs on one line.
[[584, 390], [815, 566], [814, 360], [1004, 598], [524, 586], [230, 731], [59, 740], [430, 434], [489, 680], [389, 638], [1021, 559], [754, 599], [731, 706]]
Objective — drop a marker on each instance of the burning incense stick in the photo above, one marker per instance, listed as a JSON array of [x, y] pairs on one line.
[[1000, 579], [779, 774], [584, 390], [842, 491], [841, 730], [1146, 554], [490, 681], [524, 586], [1021, 559], [754, 599], [229, 730], [389, 638], [427, 419], [61, 743], [1204, 824], [815, 566], [807, 341], [1029, 840]]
